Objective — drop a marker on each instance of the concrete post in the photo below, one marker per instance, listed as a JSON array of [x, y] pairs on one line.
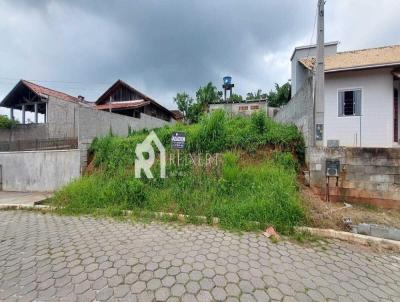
[[12, 113], [36, 113], [23, 114], [319, 77], [46, 118]]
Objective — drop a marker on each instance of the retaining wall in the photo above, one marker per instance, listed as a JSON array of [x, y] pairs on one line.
[[367, 175], [38, 170]]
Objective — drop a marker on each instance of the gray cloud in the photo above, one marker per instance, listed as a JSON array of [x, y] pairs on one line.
[[162, 47]]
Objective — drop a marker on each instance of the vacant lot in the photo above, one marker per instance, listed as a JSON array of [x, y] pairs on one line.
[[253, 181]]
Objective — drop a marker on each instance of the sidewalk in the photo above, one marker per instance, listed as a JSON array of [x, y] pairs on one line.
[[22, 198]]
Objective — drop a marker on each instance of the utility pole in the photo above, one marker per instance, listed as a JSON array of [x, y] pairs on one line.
[[319, 78]]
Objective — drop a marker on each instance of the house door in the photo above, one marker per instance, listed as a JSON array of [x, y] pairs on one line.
[[396, 115]]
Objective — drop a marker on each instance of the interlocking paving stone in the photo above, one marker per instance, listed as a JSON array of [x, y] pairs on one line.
[[83, 259]]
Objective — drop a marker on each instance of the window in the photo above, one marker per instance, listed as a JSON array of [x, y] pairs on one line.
[[350, 102], [254, 107], [243, 108]]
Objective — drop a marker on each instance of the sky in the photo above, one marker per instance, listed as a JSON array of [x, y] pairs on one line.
[[166, 46]]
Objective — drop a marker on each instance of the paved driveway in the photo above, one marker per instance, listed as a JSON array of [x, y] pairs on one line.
[[45, 257]]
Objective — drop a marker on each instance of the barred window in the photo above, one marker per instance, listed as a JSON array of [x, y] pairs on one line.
[[349, 102]]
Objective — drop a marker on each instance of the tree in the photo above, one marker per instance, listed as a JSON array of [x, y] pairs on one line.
[[194, 113], [280, 96], [207, 94], [236, 98], [6, 122], [190, 109], [259, 95], [184, 102]]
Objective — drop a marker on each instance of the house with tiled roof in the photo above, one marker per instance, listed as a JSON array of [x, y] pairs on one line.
[[352, 132], [57, 130], [360, 108], [123, 99]]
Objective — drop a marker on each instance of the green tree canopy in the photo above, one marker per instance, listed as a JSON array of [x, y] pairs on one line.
[[256, 96], [280, 96], [208, 94], [6, 122], [184, 102], [236, 98]]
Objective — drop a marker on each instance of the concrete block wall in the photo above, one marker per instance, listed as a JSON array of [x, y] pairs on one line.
[[62, 118], [95, 123], [41, 171], [299, 111], [25, 132], [367, 175]]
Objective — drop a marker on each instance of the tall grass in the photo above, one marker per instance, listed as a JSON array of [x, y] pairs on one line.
[[214, 133], [238, 192]]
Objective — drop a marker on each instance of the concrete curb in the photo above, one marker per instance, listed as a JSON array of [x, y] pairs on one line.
[[40, 207], [354, 238], [181, 217]]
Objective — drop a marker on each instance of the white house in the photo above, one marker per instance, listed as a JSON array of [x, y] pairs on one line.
[[361, 107]]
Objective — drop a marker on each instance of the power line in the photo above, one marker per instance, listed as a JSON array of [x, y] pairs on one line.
[[55, 81], [313, 30]]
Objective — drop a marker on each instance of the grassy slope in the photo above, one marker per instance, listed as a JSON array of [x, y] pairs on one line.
[[239, 192]]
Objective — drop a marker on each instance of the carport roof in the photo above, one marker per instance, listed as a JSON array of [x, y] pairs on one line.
[[38, 91]]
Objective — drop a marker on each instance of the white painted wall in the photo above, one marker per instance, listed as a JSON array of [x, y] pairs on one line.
[[377, 109]]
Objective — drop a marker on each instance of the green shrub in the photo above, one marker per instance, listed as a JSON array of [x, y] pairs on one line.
[[258, 120], [6, 123], [286, 160]]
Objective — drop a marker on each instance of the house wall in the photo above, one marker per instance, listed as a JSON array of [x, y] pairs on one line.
[[154, 111], [299, 111], [367, 175], [299, 73], [234, 108], [38, 170], [375, 127]]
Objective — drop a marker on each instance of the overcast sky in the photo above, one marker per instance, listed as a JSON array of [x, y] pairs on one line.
[[165, 46]]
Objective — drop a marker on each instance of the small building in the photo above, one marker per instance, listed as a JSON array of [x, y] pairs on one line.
[[242, 108]]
